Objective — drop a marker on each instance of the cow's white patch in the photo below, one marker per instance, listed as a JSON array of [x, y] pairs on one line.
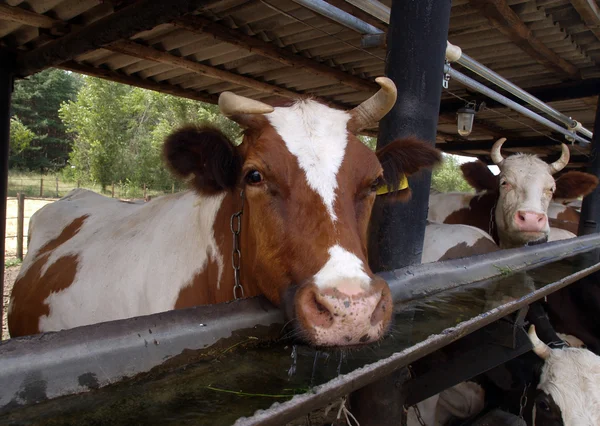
[[554, 209], [317, 136], [443, 205], [439, 238], [341, 265], [557, 234], [572, 377], [117, 275]]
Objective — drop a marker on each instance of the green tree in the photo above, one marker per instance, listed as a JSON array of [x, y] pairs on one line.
[[36, 101], [448, 177], [119, 132], [20, 136]]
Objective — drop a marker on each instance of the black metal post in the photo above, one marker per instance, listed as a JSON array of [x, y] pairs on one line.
[[6, 88], [589, 220], [415, 61]]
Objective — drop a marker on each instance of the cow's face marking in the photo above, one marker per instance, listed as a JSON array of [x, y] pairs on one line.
[[569, 389], [316, 136], [525, 191]]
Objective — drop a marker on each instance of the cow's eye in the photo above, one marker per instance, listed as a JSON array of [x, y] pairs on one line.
[[376, 184], [543, 405], [253, 177], [503, 183]]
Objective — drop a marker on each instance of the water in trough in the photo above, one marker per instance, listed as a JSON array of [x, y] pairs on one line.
[[239, 380]]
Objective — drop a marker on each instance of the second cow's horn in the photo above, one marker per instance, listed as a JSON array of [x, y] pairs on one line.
[[496, 155], [562, 162]]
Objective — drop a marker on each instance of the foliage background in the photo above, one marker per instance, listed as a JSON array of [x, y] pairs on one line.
[[101, 133]]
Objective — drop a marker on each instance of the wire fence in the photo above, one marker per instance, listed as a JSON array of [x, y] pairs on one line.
[[37, 191], [55, 187]]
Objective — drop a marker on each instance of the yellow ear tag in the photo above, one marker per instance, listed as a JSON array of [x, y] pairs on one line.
[[403, 184]]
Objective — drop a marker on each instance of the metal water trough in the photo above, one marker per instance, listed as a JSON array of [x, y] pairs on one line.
[[43, 367]]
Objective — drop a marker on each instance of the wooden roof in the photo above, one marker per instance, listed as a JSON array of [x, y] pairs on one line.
[[270, 48]]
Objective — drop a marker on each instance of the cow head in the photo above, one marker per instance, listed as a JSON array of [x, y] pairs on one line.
[[524, 187], [568, 393], [309, 186]]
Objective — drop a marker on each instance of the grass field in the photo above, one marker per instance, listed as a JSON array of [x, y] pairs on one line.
[[55, 186]]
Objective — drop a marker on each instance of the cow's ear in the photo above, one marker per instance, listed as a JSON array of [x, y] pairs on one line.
[[572, 185], [402, 158], [479, 176], [206, 155]]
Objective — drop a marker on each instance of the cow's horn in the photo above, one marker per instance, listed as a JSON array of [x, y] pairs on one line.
[[376, 107], [560, 164], [540, 348], [496, 155], [240, 109]]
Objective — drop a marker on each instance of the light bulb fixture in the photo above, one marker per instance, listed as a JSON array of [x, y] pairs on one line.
[[465, 116]]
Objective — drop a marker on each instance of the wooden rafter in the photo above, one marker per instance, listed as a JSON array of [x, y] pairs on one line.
[[26, 17], [140, 16], [199, 25], [505, 20], [111, 75], [138, 50], [590, 13]]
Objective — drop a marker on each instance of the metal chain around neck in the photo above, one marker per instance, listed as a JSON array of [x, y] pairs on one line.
[[235, 225], [523, 401]]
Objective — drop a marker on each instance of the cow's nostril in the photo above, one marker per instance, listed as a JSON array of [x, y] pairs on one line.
[[320, 315], [521, 217]]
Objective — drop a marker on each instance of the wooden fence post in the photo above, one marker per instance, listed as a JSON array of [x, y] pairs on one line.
[[78, 183], [173, 188], [113, 190], [56, 186], [20, 223], [144, 191], [41, 186]]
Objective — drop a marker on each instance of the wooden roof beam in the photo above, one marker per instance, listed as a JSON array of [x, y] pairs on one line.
[[486, 145], [590, 13], [138, 50], [118, 77], [139, 16], [201, 25], [25, 17], [505, 20]]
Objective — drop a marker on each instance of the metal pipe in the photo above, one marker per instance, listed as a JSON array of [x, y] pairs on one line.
[[455, 54], [338, 15], [6, 87], [475, 85]]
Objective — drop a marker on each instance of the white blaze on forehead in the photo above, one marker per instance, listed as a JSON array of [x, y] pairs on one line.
[[317, 136], [341, 265]]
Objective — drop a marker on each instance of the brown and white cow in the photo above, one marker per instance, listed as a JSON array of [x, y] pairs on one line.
[[306, 185], [514, 206], [568, 393]]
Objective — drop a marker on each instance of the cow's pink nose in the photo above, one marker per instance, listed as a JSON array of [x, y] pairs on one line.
[[530, 221], [344, 314]]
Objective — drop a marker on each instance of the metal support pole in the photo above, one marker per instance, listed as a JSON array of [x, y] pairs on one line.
[[590, 209], [6, 88], [415, 62]]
